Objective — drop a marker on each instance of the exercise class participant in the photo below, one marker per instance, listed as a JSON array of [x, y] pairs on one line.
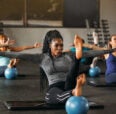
[[110, 74], [62, 80], [6, 45], [111, 62], [61, 69]]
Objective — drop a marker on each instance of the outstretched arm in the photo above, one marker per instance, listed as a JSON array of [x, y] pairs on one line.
[[94, 47], [36, 58], [21, 48], [95, 53]]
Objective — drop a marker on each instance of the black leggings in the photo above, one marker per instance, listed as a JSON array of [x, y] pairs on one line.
[[60, 92], [56, 94], [74, 72], [72, 75]]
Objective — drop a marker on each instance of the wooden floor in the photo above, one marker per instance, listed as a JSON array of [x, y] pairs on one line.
[[27, 88]]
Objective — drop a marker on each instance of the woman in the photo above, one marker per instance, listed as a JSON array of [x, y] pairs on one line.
[[61, 69], [6, 45], [110, 74], [61, 78]]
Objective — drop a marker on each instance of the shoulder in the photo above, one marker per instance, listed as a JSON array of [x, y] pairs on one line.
[[45, 56], [70, 55]]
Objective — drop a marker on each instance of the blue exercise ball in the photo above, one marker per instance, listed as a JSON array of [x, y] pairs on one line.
[[77, 105], [98, 69], [11, 73], [93, 72]]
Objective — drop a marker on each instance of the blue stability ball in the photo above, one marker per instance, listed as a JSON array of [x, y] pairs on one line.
[[77, 105], [98, 69], [11, 73], [94, 71]]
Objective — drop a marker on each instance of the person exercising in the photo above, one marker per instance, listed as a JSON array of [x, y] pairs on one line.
[[61, 68], [110, 74], [7, 45]]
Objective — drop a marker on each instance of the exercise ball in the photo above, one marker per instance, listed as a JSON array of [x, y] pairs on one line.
[[98, 69], [11, 73], [77, 105], [93, 72]]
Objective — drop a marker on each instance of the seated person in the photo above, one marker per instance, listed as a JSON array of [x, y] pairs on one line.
[[6, 45], [110, 74]]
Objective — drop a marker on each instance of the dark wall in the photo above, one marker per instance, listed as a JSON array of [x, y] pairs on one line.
[[77, 11]]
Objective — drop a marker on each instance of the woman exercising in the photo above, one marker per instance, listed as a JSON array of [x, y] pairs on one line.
[[110, 74], [6, 45], [61, 69]]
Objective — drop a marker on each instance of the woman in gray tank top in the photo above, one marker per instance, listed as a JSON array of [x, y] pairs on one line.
[[62, 70]]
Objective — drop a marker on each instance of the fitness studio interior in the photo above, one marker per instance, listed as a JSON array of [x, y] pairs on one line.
[[24, 24]]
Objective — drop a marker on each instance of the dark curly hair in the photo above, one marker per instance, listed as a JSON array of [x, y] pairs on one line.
[[49, 37]]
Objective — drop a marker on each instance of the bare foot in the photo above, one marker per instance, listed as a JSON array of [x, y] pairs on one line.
[[77, 91], [78, 41], [81, 79], [78, 46]]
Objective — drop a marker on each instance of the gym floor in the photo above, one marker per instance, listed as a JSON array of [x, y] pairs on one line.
[[27, 88]]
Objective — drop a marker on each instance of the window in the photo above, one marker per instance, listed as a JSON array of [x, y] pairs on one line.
[[49, 13]]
